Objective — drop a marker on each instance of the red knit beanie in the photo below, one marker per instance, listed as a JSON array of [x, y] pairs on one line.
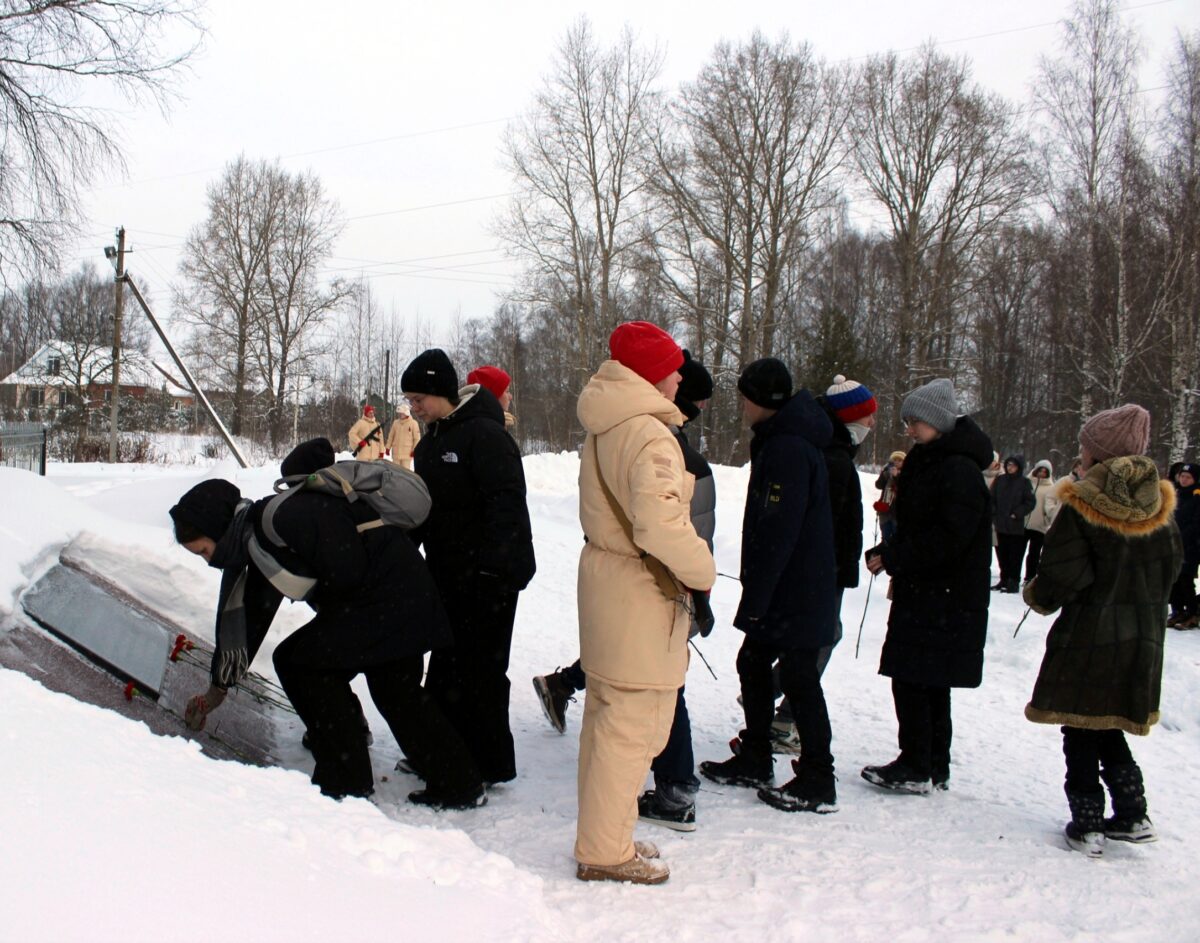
[[368, 410], [645, 349], [492, 379]]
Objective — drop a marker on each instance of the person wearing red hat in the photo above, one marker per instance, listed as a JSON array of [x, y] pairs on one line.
[[366, 436], [403, 438], [497, 382], [641, 556]]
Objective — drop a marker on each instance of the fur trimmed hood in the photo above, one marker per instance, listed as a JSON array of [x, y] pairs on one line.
[[1123, 494]]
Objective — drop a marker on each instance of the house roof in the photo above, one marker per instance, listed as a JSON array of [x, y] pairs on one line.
[[137, 369]]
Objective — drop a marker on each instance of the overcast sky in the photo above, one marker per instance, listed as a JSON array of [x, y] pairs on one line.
[[399, 108]]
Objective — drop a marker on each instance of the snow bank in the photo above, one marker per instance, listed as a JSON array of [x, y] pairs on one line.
[[112, 833]]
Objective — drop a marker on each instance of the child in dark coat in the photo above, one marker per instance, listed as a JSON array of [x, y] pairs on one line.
[[1108, 565]]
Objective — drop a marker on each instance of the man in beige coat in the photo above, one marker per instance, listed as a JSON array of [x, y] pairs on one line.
[[403, 438], [641, 562], [366, 436]]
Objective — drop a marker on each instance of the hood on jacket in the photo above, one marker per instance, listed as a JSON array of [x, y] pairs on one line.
[[615, 394], [1018, 459], [966, 438], [801, 415], [1123, 494], [1043, 464], [474, 401]]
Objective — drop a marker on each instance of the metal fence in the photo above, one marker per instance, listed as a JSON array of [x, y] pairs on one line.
[[23, 445]]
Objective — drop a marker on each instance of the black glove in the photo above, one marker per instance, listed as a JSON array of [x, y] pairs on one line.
[[702, 613]]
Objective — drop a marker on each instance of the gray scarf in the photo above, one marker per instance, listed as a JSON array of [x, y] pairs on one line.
[[231, 659]]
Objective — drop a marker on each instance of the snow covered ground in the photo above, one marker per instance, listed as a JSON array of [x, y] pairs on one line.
[[110, 833]]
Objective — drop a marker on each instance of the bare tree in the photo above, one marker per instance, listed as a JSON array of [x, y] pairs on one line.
[[250, 283], [1086, 95], [576, 162], [746, 166], [222, 268], [52, 54], [1180, 176], [944, 160], [292, 303]]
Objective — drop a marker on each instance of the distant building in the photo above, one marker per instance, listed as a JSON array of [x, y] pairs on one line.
[[58, 375]]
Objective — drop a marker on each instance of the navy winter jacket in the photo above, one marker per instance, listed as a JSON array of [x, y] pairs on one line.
[[788, 579]]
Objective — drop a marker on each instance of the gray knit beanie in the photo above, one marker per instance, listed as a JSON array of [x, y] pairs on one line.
[[934, 403]]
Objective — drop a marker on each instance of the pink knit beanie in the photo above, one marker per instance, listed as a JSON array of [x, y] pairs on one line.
[[1121, 431]]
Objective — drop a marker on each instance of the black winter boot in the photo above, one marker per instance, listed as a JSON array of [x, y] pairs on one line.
[[1129, 821], [1085, 831], [751, 768], [810, 791]]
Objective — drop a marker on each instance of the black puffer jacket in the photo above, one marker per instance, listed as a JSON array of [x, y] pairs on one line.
[[845, 500], [1012, 499], [479, 522], [375, 599], [788, 594], [704, 496], [940, 561]]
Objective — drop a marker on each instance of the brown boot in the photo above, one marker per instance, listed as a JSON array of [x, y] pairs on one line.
[[637, 870], [647, 849]]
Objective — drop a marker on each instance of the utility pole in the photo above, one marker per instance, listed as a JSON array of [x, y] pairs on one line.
[[116, 351]]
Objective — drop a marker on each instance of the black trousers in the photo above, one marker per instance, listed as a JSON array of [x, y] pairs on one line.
[[800, 680], [1086, 752], [469, 679], [1034, 555], [1010, 551], [331, 712], [924, 728]]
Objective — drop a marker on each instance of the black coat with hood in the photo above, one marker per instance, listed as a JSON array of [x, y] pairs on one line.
[[940, 563], [788, 578], [479, 522], [1012, 498]]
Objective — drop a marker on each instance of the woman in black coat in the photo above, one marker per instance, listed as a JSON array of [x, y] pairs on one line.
[[1184, 613], [1012, 501], [939, 561], [378, 612]]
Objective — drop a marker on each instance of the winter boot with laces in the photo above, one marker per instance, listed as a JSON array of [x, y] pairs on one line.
[[1085, 831], [554, 694], [810, 791], [898, 777], [1129, 821], [653, 810], [753, 768]]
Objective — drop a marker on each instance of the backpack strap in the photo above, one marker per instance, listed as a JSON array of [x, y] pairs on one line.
[[668, 584]]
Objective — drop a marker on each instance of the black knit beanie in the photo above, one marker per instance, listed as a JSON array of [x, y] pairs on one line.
[[766, 383], [431, 373], [308, 457], [208, 507]]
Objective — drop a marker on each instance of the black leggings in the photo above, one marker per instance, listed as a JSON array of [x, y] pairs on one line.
[[1089, 750]]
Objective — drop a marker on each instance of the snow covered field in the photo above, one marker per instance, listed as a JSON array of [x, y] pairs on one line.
[[110, 833]]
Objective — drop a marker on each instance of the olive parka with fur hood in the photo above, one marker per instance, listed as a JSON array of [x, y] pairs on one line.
[[630, 634], [1110, 559]]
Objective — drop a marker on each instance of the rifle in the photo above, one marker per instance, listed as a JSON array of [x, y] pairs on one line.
[[373, 434]]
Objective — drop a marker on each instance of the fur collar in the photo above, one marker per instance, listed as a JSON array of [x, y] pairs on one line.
[[1123, 494]]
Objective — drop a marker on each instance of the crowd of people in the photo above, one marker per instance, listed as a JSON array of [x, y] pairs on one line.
[[1108, 548]]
